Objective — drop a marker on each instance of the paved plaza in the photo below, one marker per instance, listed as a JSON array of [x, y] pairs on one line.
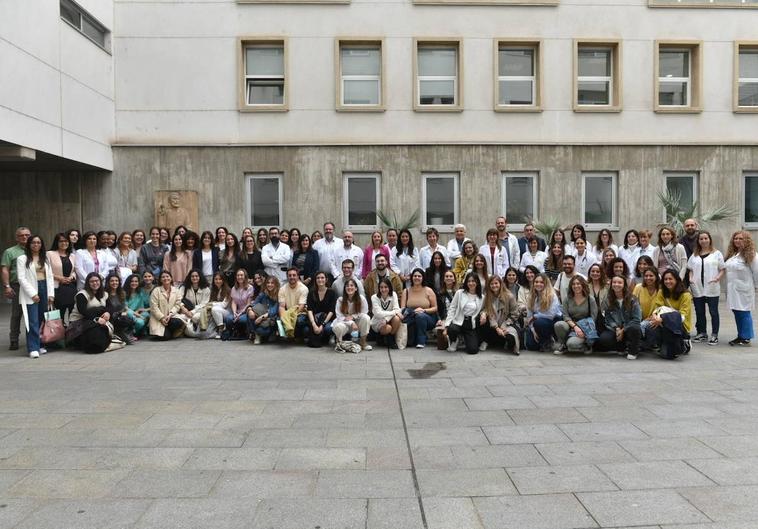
[[204, 434]]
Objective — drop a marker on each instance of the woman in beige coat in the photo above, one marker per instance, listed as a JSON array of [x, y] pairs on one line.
[[165, 305]]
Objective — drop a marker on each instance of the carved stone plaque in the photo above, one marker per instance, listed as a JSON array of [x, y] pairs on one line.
[[176, 208]]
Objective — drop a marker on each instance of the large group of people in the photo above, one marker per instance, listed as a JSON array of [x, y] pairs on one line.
[[568, 294]]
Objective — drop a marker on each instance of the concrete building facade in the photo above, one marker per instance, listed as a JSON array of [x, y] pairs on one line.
[[293, 113]]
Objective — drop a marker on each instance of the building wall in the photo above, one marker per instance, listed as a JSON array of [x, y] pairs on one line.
[[57, 90], [177, 76]]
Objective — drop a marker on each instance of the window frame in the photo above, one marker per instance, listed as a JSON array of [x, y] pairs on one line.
[[592, 226], [439, 42], [738, 46], [249, 177], [695, 175], [695, 85], [534, 175], [456, 176], [615, 84], [537, 90], [85, 15], [745, 176], [243, 44], [367, 42], [346, 176], [694, 4]]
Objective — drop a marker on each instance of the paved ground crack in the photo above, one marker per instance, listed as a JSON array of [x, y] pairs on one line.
[[408, 444]]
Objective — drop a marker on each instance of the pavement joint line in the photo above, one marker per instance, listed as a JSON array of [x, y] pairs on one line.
[[416, 487], [586, 509]]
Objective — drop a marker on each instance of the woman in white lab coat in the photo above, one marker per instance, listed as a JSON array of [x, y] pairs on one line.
[[706, 266], [741, 280]]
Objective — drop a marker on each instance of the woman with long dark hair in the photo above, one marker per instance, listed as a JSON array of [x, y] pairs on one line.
[[137, 304], [178, 261], [464, 316], [622, 320], [165, 304], [63, 264], [351, 315], [205, 258], [405, 257], [706, 268], [151, 254], [89, 328], [36, 293]]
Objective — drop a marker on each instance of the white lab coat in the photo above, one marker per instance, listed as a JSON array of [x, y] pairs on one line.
[[513, 255], [741, 279], [85, 265], [274, 259], [537, 260], [405, 263], [27, 281], [325, 251], [582, 263], [630, 256], [599, 253], [649, 250], [707, 269], [453, 251], [341, 253], [498, 263], [425, 255]]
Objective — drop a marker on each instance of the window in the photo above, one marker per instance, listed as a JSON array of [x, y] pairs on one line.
[[519, 197], [264, 200], [597, 76], [703, 3], [746, 73], [359, 86], [265, 67], [678, 77], [437, 69], [361, 193], [751, 199], [440, 200], [83, 22], [517, 82], [682, 186], [599, 190]]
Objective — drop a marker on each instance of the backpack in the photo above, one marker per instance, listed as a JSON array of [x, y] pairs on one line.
[[347, 347]]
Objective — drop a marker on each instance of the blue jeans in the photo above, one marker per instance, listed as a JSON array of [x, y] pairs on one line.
[[418, 325], [744, 320], [240, 325], [36, 315], [713, 309], [544, 329]]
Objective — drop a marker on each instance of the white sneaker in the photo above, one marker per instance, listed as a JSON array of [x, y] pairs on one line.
[[257, 340], [630, 356], [420, 346], [452, 346], [483, 346], [42, 351], [367, 347], [33, 354]]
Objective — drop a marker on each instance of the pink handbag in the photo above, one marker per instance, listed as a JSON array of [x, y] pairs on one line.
[[52, 329]]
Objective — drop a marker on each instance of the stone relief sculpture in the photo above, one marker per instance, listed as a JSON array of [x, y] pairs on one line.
[[176, 208]]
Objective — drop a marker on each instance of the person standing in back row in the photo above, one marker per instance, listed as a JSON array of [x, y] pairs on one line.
[[11, 286]]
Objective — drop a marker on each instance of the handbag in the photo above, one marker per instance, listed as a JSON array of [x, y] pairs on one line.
[[401, 337], [52, 329]]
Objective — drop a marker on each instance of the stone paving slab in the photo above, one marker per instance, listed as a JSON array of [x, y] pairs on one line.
[[192, 434]]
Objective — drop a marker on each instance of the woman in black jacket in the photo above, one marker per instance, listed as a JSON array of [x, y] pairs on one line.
[[250, 256], [205, 256], [305, 259]]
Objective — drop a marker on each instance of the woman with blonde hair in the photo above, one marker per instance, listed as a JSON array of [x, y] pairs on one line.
[[374, 248], [542, 311], [741, 281], [501, 314]]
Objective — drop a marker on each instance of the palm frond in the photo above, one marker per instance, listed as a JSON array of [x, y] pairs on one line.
[[547, 227], [676, 215], [393, 221]]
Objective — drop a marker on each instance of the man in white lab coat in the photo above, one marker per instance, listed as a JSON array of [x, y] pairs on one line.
[[276, 256]]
